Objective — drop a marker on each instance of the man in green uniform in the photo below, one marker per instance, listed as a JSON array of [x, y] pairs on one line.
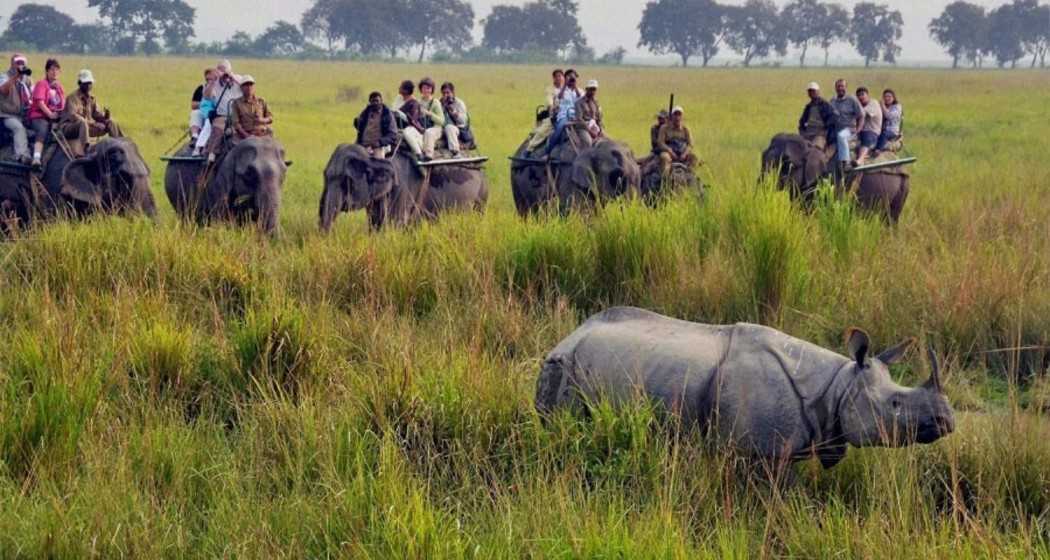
[[82, 120], [675, 143], [250, 114]]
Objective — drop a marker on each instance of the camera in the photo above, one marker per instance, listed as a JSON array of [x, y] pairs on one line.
[[25, 71]]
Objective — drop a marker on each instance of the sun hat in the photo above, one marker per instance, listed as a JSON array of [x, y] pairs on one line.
[[85, 77]]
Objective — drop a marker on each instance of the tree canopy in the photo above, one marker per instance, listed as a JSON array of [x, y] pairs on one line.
[[41, 27], [962, 30], [549, 26], [687, 28], [755, 30], [149, 20], [875, 30]]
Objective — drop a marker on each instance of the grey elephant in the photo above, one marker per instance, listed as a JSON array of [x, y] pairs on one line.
[[112, 178], [395, 191], [655, 187], [606, 170], [759, 390], [244, 186], [800, 166], [536, 181]]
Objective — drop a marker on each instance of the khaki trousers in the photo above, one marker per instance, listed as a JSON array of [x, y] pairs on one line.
[[79, 133], [423, 143]]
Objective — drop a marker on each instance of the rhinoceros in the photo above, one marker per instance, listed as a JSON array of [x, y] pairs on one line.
[[763, 392]]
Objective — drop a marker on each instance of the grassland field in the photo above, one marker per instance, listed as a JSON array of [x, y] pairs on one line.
[[174, 392]]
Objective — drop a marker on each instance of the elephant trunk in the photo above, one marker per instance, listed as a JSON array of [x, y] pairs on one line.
[[268, 200], [333, 201]]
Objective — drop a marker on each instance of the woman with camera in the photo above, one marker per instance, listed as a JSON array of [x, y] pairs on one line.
[[49, 100]]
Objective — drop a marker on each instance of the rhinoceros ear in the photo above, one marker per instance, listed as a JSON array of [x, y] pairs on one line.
[[857, 344], [893, 355]]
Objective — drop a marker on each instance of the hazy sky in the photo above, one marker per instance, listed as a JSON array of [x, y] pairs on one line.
[[607, 23]]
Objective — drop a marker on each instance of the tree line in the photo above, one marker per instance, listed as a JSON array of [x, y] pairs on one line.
[[543, 30], [1007, 34]]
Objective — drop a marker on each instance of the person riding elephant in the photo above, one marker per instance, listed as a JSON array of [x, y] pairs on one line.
[[800, 167], [82, 120], [394, 190], [112, 177], [604, 171], [536, 182], [245, 185]]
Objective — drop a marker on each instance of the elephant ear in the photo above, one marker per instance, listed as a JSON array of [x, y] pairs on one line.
[[814, 167], [244, 159], [383, 173], [82, 181], [360, 188], [583, 173]]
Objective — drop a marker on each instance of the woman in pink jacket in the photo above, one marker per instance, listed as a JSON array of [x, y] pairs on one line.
[[49, 100]]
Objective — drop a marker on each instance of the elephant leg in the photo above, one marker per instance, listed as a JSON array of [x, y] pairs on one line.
[[377, 214], [897, 206]]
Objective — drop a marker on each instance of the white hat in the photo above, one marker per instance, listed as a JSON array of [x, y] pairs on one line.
[[85, 77], [678, 109], [246, 79], [813, 86], [593, 84], [225, 63]]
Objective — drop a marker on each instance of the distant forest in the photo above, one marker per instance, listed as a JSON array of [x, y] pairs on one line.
[[1013, 34]]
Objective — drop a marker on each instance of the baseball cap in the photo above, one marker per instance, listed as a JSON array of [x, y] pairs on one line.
[[813, 86], [593, 84], [86, 77], [678, 109], [247, 79]]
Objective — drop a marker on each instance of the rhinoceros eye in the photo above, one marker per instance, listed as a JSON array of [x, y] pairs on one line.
[[895, 403]]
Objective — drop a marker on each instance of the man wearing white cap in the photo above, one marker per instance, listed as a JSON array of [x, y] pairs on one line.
[[250, 115], [82, 119], [817, 123], [15, 97], [589, 112], [676, 143]]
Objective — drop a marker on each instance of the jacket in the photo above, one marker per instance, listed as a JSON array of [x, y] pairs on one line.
[[827, 115], [388, 129]]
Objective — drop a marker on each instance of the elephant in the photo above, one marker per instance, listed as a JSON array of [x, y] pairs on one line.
[[112, 177], [395, 190], [19, 201], [606, 170], [800, 166], [243, 186], [536, 183], [655, 187]]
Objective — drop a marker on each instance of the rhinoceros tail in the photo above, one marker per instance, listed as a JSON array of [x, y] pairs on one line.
[[552, 386]]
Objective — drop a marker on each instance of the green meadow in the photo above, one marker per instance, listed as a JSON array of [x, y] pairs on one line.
[[169, 391]]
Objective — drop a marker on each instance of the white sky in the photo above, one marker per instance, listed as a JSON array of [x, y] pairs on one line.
[[607, 23]]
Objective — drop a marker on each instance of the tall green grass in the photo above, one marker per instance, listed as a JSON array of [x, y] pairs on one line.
[[169, 391]]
